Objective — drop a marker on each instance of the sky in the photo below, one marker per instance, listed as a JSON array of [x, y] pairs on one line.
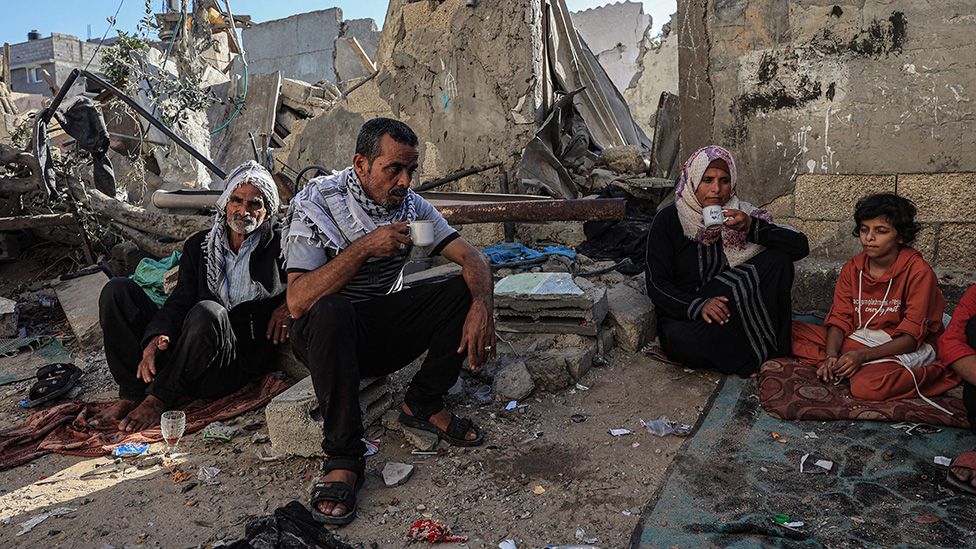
[[75, 16]]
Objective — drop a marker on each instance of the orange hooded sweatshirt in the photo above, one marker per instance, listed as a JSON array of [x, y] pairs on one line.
[[905, 300]]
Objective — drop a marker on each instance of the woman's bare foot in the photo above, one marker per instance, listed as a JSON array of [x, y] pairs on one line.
[[115, 412], [143, 416], [964, 474], [442, 420], [334, 508]]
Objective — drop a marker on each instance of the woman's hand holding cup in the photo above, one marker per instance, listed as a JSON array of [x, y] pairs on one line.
[[737, 220], [716, 310]]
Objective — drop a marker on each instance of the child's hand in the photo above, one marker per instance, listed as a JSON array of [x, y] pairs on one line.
[[849, 363], [826, 370]]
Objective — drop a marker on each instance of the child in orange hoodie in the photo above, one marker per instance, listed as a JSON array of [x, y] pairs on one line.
[[886, 315]]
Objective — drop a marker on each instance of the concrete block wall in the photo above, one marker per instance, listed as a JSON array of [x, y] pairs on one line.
[[822, 206]]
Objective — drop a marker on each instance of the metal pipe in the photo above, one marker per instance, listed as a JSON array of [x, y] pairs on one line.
[[536, 211], [189, 200], [455, 176]]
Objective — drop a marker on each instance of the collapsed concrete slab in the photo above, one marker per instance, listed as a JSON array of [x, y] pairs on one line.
[[549, 303], [79, 300], [554, 361], [295, 420]]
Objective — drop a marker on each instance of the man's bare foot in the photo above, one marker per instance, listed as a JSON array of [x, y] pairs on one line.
[[331, 507], [441, 420], [143, 416], [964, 474], [115, 412]]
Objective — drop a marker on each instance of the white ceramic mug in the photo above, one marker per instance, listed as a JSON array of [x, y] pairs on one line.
[[422, 232], [713, 216]]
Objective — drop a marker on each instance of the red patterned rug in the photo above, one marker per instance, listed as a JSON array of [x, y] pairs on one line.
[[790, 390]]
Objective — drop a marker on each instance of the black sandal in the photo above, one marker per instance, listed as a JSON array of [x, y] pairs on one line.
[[338, 492], [53, 381], [456, 429]]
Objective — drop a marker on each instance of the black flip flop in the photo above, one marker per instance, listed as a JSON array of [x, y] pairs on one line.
[[338, 492], [53, 382], [456, 429], [965, 460]]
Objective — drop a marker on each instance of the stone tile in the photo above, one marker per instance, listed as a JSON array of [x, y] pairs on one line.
[[79, 300], [957, 247], [925, 242], [781, 207], [940, 196], [833, 197], [632, 314]]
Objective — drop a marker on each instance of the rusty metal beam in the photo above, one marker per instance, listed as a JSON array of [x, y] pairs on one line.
[[536, 211]]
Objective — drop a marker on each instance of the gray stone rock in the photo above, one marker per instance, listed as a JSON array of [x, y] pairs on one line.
[[8, 317], [632, 315], [512, 379], [395, 474], [79, 300]]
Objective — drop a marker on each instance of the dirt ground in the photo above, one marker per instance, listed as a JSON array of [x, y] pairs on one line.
[[591, 480]]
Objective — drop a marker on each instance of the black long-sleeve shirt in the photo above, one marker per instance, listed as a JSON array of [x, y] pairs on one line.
[[679, 267]]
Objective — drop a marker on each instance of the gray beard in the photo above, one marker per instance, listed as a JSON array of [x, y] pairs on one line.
[[244, 226]]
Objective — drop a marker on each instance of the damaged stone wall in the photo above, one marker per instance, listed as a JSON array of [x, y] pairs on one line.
[[310, 46], [464, 78], [824, 102], [657, 73]]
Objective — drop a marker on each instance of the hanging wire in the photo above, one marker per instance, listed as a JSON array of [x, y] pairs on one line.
[[115, 19]]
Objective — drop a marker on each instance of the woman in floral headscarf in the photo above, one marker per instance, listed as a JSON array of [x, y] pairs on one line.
[[722, 294]]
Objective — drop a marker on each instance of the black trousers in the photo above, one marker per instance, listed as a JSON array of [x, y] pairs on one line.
[[968, 389], [341, 341], [201, 363], [730, 348]]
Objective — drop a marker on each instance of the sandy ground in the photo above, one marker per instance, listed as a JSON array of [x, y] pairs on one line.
[[591, 480]]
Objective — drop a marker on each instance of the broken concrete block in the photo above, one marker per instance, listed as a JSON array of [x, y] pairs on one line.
[[512, 378], [549, 303], [632, 314], [425, 441], [79, 300], [287, 362], [8, 317], [295, 420], [624, 159], [555, 361], [395, 474]]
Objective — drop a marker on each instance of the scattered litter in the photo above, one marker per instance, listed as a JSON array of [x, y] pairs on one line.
[[942, 460], [917, 428], [794, 525], [781, 518], [635, 445], [482, 394], [816, 465], [688, 370], [260, 438], [577, 418], [511, 405], [219, 431], [130, 449], [581, 387], [774, 435], [538, 490], [179, 476], [620, 432], [507, 544], [663, 427], [811, 434], [927, 518], [433, 531], [372, 447], [581, 536], [268, 453], [422, 453], [30, 523], [208, 474]]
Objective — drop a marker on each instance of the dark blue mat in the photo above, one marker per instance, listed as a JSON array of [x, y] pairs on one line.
[[717, 493]]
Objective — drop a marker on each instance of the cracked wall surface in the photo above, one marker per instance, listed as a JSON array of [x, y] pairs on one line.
[[465, 79], [807, 94], [310, 46]]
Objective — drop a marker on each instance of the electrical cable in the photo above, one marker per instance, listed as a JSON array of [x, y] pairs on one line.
[[115, 19]]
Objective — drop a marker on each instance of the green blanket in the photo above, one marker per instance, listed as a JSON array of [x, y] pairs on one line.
[[150, 273]]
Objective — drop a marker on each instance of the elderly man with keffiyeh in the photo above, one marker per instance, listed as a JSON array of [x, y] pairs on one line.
[[722, 294], [347, 242], [218, 329]]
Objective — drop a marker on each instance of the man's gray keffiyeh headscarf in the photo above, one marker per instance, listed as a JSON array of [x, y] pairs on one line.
[[216, 242]]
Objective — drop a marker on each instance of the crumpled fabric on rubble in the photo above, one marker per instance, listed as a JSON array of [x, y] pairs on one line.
[[82, 120], [508, 253], [64, 429], [290, 527], [433, 531], [150, 273]]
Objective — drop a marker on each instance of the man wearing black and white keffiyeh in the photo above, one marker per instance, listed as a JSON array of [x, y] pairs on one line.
[[217, 330]]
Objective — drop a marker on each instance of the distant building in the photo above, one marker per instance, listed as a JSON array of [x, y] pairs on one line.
[[58, 54]]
